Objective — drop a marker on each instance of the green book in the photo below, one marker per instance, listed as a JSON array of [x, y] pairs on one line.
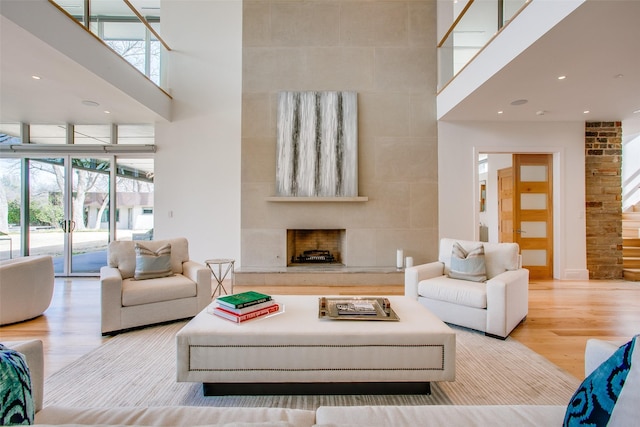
[[243, 299]]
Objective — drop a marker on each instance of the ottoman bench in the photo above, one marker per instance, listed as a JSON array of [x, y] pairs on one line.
[[295, 352]]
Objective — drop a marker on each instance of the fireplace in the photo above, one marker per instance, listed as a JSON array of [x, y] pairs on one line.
[[315, 246]]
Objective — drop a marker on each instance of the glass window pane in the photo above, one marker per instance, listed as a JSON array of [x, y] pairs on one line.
[[533, 173], [46, 209], [136, 134], [48, 134], [92, 134], [10, 199], [533, 229], [10, 133], [90, 198], [134, 199], [534, 257], [533, 201]]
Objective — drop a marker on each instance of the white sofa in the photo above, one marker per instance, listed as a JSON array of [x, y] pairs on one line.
[[26, 288], [129, 303], [325, 416], [495, 306], [625, 413]]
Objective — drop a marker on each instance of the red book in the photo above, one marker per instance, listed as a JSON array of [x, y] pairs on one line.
[[219, 311]]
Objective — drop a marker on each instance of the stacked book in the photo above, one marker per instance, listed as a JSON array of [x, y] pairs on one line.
[[244, 306]]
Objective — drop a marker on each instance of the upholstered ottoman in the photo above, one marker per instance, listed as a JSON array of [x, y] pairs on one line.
[[295, 352]]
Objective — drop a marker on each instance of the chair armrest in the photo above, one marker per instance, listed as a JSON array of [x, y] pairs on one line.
[[111, 298], [596, 352], [413, 276], [507, 301], [34, 356], [200, 274]]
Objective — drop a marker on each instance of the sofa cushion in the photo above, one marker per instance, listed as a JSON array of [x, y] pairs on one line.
[[468, 264], [138, 292], [17, 406], [151, 264], [176, 416], [440, 415], [610, 394], [460, 292], [122, 255]]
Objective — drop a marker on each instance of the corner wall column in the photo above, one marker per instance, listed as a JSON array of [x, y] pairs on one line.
[[603, 210]]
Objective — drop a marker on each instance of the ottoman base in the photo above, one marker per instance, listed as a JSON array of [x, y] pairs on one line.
[[315, 388]]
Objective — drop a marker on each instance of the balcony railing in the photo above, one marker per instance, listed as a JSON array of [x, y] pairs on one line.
[[471, 25], [129, 27]]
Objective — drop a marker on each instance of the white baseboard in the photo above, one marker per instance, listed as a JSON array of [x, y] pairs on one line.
[[582, 274]]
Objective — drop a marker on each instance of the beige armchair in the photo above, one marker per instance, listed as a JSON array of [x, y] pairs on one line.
[[495, 305], [26, 288], [128, 302]]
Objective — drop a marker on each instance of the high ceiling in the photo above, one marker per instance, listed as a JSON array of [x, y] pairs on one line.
[[67, 92], [595, 47]]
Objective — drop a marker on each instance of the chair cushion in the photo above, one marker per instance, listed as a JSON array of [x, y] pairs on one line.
[[460, 292], [138, 292], [610, 394], [468, 264], [122, 254], [498, 257], [17, 406], [152, 264]]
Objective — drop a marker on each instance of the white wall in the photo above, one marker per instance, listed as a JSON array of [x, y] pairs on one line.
[[459, 144], [630, 171], [198, 159], [495, 162]]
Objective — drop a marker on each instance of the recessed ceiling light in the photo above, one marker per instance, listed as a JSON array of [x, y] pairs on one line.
[[34, 77], [90, 103], [540, 113], [107, 112], [636, 112], [519, 102], [586, 112], [562, 77], [617, 76], [500, 112]]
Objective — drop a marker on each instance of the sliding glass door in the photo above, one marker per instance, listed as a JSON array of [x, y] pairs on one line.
[[44, 212], [88, 224], [67, 213], [68, 198]]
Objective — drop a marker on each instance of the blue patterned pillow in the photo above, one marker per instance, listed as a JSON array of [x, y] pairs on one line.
[[152, 264], [16, 399], [601, 392]]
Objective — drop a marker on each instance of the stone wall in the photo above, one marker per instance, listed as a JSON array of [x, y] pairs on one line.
[[386, 52], [603, 185]]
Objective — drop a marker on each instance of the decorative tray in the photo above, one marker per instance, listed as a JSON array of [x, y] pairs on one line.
[[356, 308]]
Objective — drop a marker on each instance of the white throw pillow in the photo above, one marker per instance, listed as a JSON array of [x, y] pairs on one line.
[[468, 264], [152, 264]]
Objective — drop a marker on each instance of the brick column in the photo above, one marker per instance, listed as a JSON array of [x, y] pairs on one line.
[[603, 186]]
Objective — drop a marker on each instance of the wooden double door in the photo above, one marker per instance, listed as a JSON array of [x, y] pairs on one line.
[[525, 211]]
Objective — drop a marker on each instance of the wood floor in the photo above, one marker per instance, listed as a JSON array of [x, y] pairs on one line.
[[562, 316]]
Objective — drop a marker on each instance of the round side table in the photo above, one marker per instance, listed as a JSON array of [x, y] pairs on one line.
[[216, 266]]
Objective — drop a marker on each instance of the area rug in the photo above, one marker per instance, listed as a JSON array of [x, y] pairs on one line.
[[139, 368]]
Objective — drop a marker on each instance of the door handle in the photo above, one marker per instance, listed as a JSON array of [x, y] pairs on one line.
[[72, 226], [520, 231]]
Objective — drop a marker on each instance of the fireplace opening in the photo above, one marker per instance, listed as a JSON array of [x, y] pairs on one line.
[[317, 246]]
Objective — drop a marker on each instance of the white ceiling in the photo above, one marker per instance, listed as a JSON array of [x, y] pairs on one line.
[[596, 47], [57, 98], [592, 46]]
